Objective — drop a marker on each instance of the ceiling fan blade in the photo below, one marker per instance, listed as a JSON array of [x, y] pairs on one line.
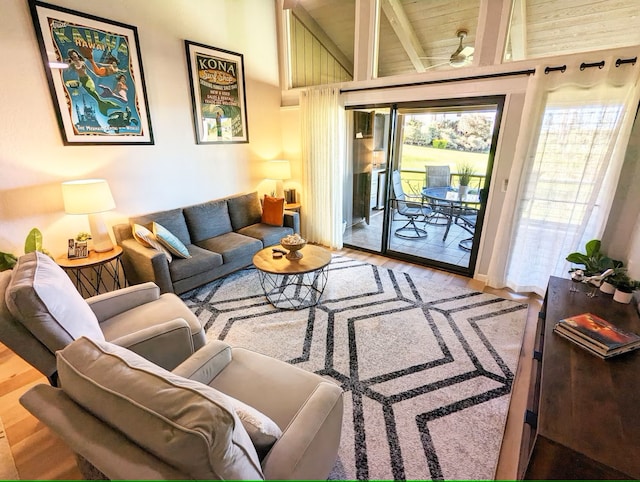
[[437, 65], [467, 51]]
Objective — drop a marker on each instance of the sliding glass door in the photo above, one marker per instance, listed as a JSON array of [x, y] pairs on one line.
[[418, 180], [366, 178]]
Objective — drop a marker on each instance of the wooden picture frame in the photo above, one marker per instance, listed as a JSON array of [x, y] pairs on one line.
[[95, 76], [218, 94]]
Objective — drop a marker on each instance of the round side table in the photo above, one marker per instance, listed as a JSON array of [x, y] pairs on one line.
[[98, 270]]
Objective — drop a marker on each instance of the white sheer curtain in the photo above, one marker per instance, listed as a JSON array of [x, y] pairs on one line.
[[574, 133], [323, 146]]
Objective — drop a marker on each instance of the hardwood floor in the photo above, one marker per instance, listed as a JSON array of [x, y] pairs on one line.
[[39, 454]]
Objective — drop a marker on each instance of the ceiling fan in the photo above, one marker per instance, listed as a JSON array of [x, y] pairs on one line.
[[462, 57]]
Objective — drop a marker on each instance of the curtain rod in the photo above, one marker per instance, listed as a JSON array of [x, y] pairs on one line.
[[443, 81], [585, 65]]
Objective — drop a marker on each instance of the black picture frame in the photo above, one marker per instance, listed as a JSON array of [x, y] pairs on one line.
[[95, 76], [218, 94]]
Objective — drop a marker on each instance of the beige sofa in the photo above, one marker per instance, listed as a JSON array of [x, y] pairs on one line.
[[225, 413], [221, 236]]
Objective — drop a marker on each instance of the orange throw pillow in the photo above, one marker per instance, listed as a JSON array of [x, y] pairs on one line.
[[273, 211]]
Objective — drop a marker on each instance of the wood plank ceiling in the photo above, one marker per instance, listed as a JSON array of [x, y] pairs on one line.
[[416, 35]]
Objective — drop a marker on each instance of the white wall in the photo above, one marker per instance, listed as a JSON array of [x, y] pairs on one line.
[[173, 172]]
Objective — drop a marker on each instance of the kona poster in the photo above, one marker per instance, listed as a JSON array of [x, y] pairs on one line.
[[217, 93]]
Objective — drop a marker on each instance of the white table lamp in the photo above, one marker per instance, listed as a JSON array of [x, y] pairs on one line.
[[92, 197], [279, 171]]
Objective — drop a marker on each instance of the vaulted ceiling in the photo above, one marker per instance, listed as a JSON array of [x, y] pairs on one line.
[[421, 34]]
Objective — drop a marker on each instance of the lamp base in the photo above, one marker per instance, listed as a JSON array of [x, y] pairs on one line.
[[99, 234], [279, 189]]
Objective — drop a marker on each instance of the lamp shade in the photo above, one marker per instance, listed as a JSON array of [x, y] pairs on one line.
[[87, 196], [278, 170], [92, 197]]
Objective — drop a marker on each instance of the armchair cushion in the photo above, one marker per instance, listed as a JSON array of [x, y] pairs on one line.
[[42, 297], [186, 423]]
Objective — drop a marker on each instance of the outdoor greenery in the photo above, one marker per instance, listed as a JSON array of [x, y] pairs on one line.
[[469, 133], [417, 157]]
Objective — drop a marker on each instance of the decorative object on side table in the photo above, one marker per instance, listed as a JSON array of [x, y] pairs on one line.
[[79, 246], [293, 243]]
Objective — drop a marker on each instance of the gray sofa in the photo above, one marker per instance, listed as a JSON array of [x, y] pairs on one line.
[[221, 235]]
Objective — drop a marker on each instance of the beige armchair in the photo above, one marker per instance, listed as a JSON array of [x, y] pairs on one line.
[[42, 312], [130, 419]]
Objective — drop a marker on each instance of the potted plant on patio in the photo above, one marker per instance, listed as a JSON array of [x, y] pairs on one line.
[[465, 171]]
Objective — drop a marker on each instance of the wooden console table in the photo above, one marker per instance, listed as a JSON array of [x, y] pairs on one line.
[[583, 416]]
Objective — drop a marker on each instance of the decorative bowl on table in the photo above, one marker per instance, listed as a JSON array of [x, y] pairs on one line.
[[293, 243]]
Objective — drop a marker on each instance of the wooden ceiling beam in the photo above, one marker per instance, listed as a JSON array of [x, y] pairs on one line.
[[404, 31], [518, 31]]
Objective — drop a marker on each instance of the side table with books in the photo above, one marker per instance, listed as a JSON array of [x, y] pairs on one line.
[[582, 419]]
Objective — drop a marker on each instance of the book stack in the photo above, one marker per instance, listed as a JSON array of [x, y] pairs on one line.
[[596, 335]]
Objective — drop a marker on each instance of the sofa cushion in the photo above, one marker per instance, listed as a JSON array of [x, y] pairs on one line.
[[173, 220], [269, 235], [147, 239], [42, 297], [273, 210], [207, 220], [167, 239], [201, 261], [233, 246], [244, 210], [189, 425]]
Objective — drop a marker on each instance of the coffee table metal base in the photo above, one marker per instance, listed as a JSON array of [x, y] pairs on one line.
[[294, 291]]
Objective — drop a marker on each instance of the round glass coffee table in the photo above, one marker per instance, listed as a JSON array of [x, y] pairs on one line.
[[293, 284]]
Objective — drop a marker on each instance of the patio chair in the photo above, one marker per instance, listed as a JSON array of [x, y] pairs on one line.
[[437, 176], [467, 219], [411, 210]]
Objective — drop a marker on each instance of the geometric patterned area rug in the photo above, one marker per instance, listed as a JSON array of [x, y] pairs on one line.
[[427, 369]]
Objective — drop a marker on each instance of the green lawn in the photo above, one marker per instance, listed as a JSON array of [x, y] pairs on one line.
[[415, 158]]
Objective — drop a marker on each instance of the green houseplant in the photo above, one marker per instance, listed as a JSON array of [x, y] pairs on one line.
[[625, 286], [33, 242], [593, 260]]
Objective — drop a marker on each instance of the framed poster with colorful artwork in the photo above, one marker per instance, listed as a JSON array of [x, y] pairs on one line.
[[217, 94], [95, 76]]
